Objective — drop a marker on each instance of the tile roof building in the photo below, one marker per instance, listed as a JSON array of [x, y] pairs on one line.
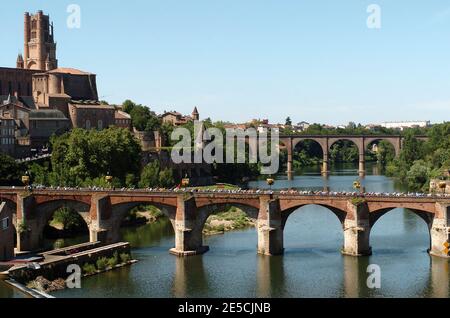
[[43, 99]]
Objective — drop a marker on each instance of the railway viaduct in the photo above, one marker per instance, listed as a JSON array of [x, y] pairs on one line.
[[326, 142]]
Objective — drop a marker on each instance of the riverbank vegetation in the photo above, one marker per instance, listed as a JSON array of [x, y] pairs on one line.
[[231, 219], [65, 223], [101, 265], [421, 161]]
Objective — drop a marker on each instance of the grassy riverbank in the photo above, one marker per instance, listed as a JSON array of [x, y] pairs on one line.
[[230, 220]]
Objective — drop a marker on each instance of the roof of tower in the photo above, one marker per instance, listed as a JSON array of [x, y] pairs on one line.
[[19, 58], [195, 111]]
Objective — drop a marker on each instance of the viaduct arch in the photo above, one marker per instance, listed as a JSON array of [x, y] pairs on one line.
[[327, 141]]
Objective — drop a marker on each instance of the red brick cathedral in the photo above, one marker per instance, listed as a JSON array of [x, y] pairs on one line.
[[38, 98]]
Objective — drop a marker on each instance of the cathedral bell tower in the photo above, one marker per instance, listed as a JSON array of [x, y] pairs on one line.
[[39, 44]]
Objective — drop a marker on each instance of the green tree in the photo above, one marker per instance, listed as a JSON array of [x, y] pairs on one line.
[[153, 176], [418, 175], [70, 219], [288, 121], [83, 155], [166, 179], [412, 149], [9, 171], [150, 175], [143, 119], [127, 106]]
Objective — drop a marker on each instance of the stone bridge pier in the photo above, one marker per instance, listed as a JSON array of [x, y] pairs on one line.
[[439, 232], [188, 229], [357, 230], [269, 227], [355, 222]]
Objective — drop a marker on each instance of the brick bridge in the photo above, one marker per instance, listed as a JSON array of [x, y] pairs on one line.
[[289, 142], [104, 211]]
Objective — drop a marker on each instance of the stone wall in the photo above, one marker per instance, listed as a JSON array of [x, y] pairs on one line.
[[6, 233]]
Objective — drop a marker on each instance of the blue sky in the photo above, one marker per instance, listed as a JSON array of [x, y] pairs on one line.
[[241, 59]]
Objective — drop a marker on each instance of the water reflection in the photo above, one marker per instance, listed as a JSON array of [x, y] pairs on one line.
[[355, 277], [439, 277], [149, 234], [189, 277], [270, 277]]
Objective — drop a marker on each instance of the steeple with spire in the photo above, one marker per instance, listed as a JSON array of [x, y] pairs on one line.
[[20, 63], [195, 114]]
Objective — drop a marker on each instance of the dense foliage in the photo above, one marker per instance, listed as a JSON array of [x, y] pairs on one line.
[[421, 161], [142, 118], [9, 171], [85, 158], [153, 176]]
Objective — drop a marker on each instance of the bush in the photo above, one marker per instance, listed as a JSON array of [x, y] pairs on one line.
[[68, 218], [102, 263], [113, 261], [89, 268], [125, 258]]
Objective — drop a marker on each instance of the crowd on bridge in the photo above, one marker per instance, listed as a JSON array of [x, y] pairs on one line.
[[239, 191]]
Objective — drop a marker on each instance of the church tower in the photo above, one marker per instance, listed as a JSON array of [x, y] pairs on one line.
[[195, 114], [20, 63], [39, 44]]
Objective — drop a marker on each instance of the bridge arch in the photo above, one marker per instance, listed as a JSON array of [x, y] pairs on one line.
[[358, 142], [120, 210], [425, 216], [206, 211], [339, 213], [320, 141], [395, 142], [43, 213]]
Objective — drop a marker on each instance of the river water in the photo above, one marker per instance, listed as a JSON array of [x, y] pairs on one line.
[[312, 265]]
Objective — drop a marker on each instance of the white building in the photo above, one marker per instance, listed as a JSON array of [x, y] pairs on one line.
[[406, 124]]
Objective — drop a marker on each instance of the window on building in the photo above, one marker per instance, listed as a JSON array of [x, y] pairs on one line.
[[19, 89], [10, 88], [28, 89], [4, 224], [100, 124], [1, 88], [88, 124]]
